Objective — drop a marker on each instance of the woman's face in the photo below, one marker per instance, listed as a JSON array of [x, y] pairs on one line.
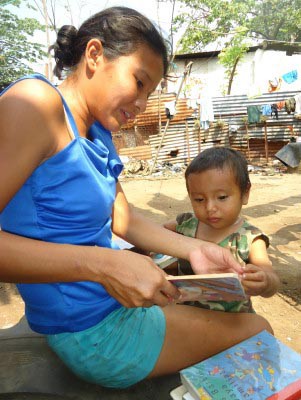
[[121, 87]]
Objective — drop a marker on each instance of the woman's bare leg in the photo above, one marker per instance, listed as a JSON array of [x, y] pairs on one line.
[[194, 334]]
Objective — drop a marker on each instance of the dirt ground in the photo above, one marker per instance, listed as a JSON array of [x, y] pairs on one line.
[[274, 206]]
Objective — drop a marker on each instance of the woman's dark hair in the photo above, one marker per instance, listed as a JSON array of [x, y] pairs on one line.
[[121, 31], [220, 158]]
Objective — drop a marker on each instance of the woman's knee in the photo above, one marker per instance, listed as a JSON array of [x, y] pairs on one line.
[[264, 324]]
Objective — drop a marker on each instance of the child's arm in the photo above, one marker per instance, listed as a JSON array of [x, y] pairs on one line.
[[170, 225], [259, 278]]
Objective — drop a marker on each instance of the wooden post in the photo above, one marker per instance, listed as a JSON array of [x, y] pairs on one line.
[[248, 141], [199, 129], [186, 72], [266, 146], [159, 111], [187, 140]]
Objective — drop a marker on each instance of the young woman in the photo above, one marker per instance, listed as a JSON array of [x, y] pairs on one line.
[[105, 311]]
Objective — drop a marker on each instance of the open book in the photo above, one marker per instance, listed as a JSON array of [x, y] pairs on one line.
[[209, 287]]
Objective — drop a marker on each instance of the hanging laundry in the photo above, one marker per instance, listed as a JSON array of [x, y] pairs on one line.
[[206, 112], [205, 125], [290, 105], [254, 114], [170, 109], [291, 76], [298, 104], [274, 111], [280, 105], [274, 84], [266, 110]]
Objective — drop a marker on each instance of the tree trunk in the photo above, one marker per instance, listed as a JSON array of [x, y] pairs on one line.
[[232, 75]]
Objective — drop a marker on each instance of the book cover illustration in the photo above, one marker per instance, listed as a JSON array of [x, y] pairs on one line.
[[259, 368], [210, 287]]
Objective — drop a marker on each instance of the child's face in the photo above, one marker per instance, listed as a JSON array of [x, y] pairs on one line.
[[215, 197]]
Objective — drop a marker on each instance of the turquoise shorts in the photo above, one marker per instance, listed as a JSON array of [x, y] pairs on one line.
[[119, 351]]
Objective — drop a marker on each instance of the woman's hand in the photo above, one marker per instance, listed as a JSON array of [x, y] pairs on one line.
[[136, 281], [210, 258], [258, 281]]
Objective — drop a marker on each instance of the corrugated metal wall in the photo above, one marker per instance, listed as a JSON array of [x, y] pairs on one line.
[[156, 105], [184, 139], [262, 140]]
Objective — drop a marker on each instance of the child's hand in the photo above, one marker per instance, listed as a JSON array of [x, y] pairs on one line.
[[259, 282]]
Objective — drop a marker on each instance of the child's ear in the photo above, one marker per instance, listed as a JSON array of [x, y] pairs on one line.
[[245, 196]]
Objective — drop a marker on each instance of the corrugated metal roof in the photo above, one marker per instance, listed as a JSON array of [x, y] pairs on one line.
[[291, 48]]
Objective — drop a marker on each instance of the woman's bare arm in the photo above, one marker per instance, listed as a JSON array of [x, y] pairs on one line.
[[170, 225], [33, 128]]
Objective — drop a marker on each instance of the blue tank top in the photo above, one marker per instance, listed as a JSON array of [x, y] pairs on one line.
[[68, 199]]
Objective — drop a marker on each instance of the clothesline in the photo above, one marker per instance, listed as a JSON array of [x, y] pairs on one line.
[[291, 105]]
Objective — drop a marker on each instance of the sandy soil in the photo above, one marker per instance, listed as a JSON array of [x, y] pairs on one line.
[[274, 206]]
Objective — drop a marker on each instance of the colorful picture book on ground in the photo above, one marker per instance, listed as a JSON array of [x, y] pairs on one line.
[[259, 368]]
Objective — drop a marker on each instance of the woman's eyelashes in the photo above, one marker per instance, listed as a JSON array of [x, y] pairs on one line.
[[141, 84]]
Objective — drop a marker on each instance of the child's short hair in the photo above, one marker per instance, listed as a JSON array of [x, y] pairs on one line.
[[219, 158]]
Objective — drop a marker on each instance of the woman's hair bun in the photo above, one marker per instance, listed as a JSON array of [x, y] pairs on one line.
[[63, 49]]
